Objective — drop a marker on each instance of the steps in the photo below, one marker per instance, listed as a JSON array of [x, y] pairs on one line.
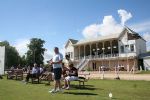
[[82, 64]]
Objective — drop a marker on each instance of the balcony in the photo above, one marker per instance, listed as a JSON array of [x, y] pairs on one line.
[[101, 56]]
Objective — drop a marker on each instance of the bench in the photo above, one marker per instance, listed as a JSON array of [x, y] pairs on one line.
[[82, 79], [15, 74], [35, 79], [46, 76], [19, 74]]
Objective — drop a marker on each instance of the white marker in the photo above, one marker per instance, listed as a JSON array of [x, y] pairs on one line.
[[110, 95]]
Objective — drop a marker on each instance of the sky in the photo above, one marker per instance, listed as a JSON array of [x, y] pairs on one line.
[[55, 21]]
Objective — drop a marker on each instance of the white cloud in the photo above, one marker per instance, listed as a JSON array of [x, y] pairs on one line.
[[124, 15], [108, 26], [21, 45], [91, 31]]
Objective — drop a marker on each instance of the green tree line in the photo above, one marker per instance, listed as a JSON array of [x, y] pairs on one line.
[[35, 53]]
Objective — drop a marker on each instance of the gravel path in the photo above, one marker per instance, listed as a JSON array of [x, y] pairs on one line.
[[122, 75]]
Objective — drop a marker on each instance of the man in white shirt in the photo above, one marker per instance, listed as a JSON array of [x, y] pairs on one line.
[[56, 62], [34, 73], [41, 69]]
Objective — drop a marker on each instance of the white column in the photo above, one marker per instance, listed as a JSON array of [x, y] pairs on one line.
[[84, 51], [103, 49], [90, 51], [111, 47], [79, 52], [96, 49]]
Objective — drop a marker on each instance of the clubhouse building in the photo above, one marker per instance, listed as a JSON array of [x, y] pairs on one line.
[[111, 52]]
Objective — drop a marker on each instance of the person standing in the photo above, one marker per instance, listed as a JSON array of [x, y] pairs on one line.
[[41, 69], [67, 61], [56, 62]]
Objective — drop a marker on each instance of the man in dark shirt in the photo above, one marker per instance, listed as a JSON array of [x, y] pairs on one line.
[[72, 75]]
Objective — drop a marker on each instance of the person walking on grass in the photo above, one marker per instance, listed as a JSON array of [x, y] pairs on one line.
[[56, 62]]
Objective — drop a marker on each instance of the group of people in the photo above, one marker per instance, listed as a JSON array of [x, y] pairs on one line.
[[35, 72], [62, 69]]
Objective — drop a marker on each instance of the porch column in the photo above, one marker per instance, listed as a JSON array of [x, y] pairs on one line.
[[90, 50], [84, 51], [79, 52], [103, 48], [96, 50], [111, 47]]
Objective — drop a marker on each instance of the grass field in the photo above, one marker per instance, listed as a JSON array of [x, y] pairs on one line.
[[144, 72], [94, 90]]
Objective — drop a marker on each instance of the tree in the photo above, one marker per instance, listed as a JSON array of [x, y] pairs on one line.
[[23, 61], [36, 51], [11, 55]]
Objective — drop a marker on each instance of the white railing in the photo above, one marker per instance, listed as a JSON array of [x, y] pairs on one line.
[[98, 56], [83, 64], [80, 63]]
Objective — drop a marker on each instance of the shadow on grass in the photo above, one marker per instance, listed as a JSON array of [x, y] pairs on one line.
[[77, 93], [86, 87]]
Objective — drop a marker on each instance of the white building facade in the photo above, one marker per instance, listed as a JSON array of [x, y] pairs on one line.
[[2, 60], [111, 51]]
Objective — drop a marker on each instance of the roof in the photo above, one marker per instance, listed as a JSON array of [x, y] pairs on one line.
[[73, 41], [100, 38], [104, 38], [134, 33]]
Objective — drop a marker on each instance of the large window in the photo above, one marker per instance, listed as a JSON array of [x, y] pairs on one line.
[[132, 47], [122, 49]]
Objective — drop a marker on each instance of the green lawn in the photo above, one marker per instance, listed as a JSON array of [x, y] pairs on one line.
[[95, 90], [144, 72]]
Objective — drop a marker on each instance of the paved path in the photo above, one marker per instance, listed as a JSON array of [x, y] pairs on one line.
[[123, 76]]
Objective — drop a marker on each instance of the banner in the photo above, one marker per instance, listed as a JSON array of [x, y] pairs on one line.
[[2, 60]]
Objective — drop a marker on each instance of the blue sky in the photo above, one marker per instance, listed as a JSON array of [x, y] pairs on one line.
[[57, 20]]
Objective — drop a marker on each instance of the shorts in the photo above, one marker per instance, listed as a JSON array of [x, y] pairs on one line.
[[57, 73], [71, 78]]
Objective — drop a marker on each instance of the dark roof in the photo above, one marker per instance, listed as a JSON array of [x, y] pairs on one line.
[[143, 55], [135, 34], [73, 41]]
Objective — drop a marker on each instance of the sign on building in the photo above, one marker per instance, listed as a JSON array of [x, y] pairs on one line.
[[2, 60]]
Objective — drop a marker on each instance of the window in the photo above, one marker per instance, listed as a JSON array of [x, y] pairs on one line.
[[122, 49], [126, 46], [132, 47]]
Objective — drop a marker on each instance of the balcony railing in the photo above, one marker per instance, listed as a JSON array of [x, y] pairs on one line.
[[97, 56]]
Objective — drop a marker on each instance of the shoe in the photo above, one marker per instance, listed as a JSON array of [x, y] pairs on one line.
[[63, 87], [23, 81], [67, 88], [59, 90], [52, 91]]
